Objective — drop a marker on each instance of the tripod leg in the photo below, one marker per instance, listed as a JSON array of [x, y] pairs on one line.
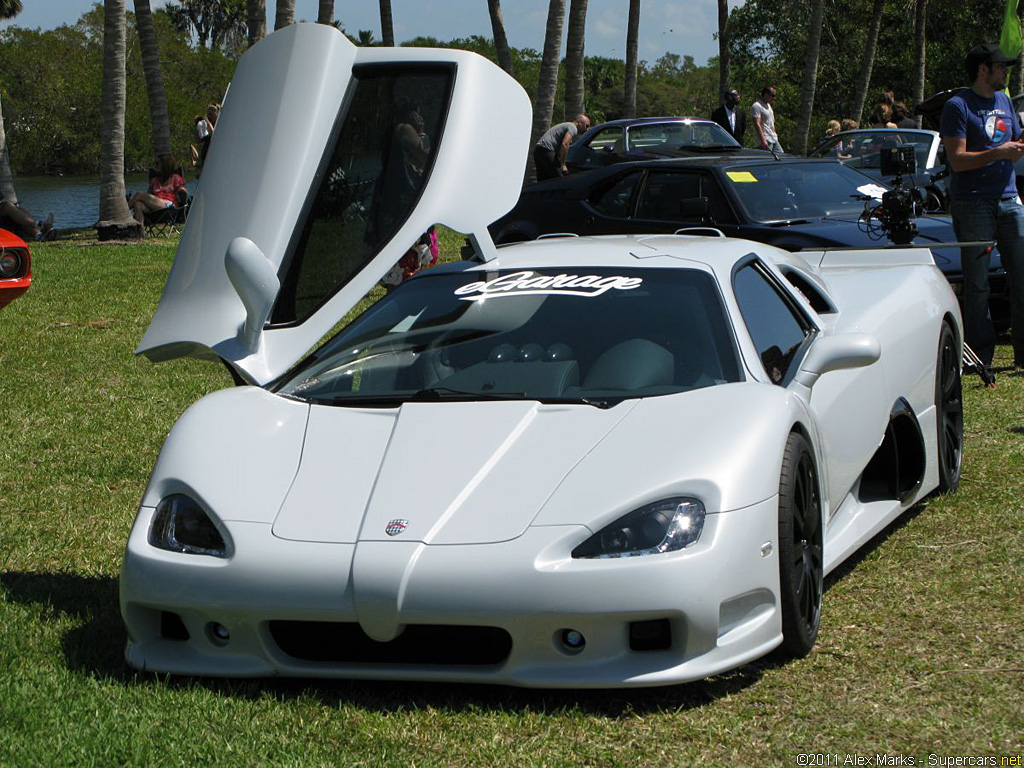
[[971, 359]]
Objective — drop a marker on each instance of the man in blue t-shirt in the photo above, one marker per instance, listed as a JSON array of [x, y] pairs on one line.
[[981, 135]]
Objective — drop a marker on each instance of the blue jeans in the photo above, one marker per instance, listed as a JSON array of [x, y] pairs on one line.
[[1002, 221]]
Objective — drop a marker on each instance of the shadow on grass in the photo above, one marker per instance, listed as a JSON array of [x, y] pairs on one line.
[[96, 647], [869, 547]]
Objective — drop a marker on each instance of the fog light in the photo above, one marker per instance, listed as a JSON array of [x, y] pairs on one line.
[[218, 633], [572, 640]]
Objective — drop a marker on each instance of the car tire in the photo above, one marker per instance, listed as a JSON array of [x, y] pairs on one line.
[[949, 411], [801, 561]]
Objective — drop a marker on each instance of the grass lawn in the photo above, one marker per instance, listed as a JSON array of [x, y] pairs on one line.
[[921, 648]]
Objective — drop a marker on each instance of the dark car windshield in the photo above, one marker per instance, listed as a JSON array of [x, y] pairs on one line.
[[682, 134], [585, 335], [862, 149], [784, 191]]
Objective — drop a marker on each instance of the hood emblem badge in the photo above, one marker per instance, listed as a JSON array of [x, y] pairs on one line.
[[395, 527]]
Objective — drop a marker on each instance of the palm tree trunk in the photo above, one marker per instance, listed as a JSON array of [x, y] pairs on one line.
[[919, 48], [387, 24], [547, 81], [574, 42], [810, 77], [8, 10], [632, 41], [6, 177], [325, 14], [724, 76], [500, 41], [868, 62], [158, 117], [285, 14], [255, 20], [115, 221]]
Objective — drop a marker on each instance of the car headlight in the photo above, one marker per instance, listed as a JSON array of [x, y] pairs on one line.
[[664, 526], [10, 262], [181, 525]]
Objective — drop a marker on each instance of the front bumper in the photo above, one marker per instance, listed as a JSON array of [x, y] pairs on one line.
[[718, 598]]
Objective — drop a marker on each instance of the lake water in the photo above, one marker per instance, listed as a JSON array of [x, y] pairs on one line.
[[74, 201]]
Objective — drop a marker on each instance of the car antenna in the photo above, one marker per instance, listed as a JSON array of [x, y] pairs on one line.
[[775, 154]]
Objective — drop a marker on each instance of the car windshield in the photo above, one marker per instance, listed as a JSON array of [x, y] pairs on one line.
[[784, 191], [683, 134], [862, 149], [594, 336]]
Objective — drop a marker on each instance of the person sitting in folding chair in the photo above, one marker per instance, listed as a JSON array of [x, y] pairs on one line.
[[166, 192]]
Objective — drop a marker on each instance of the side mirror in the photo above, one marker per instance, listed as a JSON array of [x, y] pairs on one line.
[[256, 283], [836, 353]]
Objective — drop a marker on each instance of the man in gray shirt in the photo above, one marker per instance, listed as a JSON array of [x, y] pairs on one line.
[[551, 149], [763, 115]]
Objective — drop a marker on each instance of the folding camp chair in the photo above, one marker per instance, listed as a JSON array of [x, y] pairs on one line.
[[170, 221]]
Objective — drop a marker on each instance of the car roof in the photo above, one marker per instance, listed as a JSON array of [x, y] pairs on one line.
[[856, 131], [630, 121], [722, 161]]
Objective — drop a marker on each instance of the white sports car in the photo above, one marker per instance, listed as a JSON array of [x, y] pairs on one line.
[[580, 462]]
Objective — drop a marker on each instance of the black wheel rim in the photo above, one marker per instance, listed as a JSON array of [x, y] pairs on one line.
[[808, 568], [951, 410]]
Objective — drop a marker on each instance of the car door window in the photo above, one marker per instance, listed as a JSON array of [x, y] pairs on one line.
[[614, 200], [371, 178], [607, 140], [718, 204], [776, 327], [664, 195]]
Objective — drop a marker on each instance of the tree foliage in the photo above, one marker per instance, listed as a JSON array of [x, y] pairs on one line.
[[52, 85], [52, 80], [769, 43]]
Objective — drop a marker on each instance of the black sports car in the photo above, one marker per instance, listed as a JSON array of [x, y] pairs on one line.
[[646, 138], [793, 203]]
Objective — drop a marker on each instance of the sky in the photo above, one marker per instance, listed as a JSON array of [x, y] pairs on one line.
[[684, 27]]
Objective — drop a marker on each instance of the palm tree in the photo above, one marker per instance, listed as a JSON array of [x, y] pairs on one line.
[[803, 127], [547, 81], [919, 46], [325, 14], [8, 10], [285, 14], [115, 220], [500, 41], [387, 24], [255, 20], [868, 62], [632, 41], [724, 76], [574, 58], [158, 117]]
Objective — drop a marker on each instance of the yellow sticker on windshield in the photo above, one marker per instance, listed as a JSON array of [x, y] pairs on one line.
[[740, 175]]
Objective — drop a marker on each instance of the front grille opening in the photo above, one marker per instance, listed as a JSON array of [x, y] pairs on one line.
[[172, 627], [653, 635], [346, 643]]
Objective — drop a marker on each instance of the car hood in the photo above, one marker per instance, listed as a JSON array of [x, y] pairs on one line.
[[456, 473], [848, 232], [483, 472], [289, 98]]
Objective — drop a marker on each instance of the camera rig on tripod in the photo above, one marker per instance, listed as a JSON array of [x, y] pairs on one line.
[[893, 215]]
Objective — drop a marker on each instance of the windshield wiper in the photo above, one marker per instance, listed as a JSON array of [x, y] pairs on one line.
[[431, 394], [601, 403], [445, 393], [711, 147]]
